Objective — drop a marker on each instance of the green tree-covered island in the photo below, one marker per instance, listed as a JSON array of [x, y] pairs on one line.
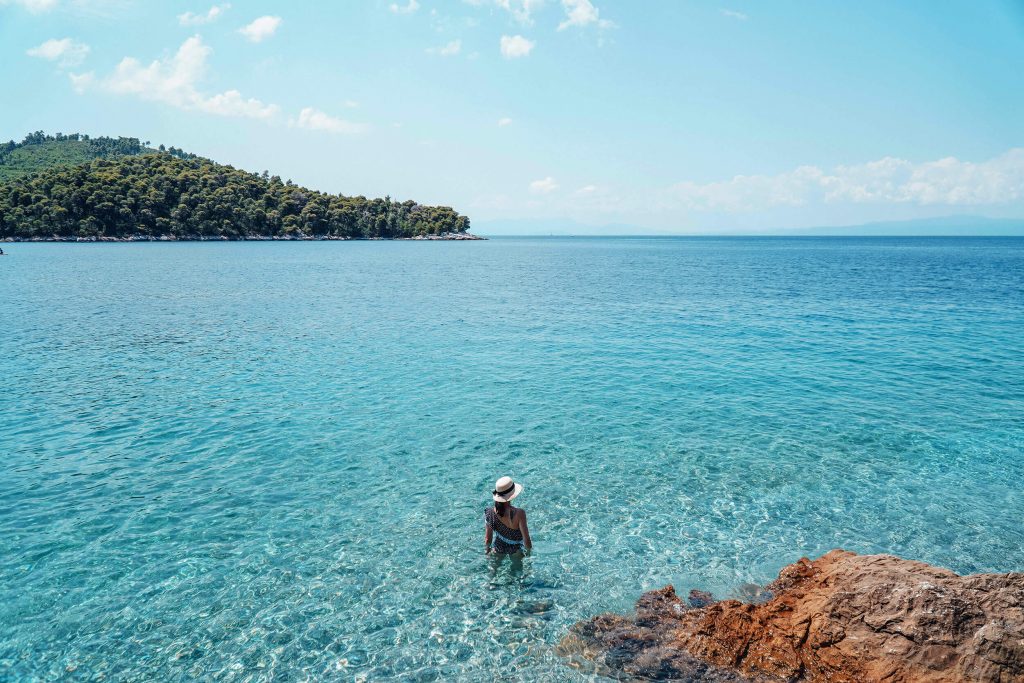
[[77, 188]]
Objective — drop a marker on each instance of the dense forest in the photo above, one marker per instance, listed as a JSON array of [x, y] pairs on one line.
[[39, 151], [172, 194]]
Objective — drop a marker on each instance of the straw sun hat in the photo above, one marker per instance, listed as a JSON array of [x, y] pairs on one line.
[[505, 490]]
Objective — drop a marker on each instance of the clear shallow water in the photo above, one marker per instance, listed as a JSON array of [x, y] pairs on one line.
[[256, 461]]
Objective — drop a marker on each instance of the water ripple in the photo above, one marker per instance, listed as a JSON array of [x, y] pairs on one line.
[[269, 461]]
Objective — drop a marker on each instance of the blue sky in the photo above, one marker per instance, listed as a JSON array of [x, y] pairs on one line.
[[674, 116]]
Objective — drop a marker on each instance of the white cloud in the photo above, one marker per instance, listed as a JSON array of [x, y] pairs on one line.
[[449, 50], [231, 103], [260, 29], [66, 52], [314, 119], [505, 121], [34, 6], [586, 189], [409, 8], [515, 46], [750, 192], [521, 10], [947, 181], [174, 81], [193, 19], [582, 13], [82, 82], [543, 186], [81, 8], [734, 14]]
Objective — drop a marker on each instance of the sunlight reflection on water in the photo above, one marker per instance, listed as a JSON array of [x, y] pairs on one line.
[[271, 460]]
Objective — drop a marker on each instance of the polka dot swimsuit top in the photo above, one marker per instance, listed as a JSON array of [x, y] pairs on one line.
[[506, 540]]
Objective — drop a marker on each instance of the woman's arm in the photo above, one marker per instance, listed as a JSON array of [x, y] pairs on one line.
[[525, 529], [488, 534]]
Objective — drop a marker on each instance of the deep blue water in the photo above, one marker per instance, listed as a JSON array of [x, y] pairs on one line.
[[248, 461]]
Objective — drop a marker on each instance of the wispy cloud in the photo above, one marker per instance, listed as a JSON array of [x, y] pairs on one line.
[[505, 121], [449, 50], [890, 180], [521, 10], [515, 46], [174, 81], [96, 9], [260, 29], [65, 52], [82, 82], [734, 14], [582, 13], [408, 8], [543, 186], [212, 14], [314, 119], [34, 6]]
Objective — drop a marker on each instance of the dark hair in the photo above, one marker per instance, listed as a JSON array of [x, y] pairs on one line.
[[500, 508]]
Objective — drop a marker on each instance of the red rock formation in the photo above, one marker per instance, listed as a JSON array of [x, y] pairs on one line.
[[843, 618]]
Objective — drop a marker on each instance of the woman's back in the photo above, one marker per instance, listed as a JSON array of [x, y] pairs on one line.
[[505, 526], [508, 537]]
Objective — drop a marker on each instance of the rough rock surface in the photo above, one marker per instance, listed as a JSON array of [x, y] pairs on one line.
[[843, 618]]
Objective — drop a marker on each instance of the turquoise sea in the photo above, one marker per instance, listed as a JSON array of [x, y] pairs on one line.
[[256, 461]]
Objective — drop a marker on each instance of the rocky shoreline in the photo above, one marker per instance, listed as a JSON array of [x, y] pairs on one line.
[[843, 618], [444, 237]]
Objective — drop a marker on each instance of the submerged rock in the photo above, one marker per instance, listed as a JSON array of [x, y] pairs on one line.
[[700, 598], [843, 618]]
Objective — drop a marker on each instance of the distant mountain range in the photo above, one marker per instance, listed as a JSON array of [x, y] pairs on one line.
[[558, 227], [942, 226]]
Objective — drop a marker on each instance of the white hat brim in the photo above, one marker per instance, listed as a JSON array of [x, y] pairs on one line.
[[504, 499]]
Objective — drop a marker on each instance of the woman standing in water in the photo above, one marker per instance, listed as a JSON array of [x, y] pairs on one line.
[[506, 525]]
